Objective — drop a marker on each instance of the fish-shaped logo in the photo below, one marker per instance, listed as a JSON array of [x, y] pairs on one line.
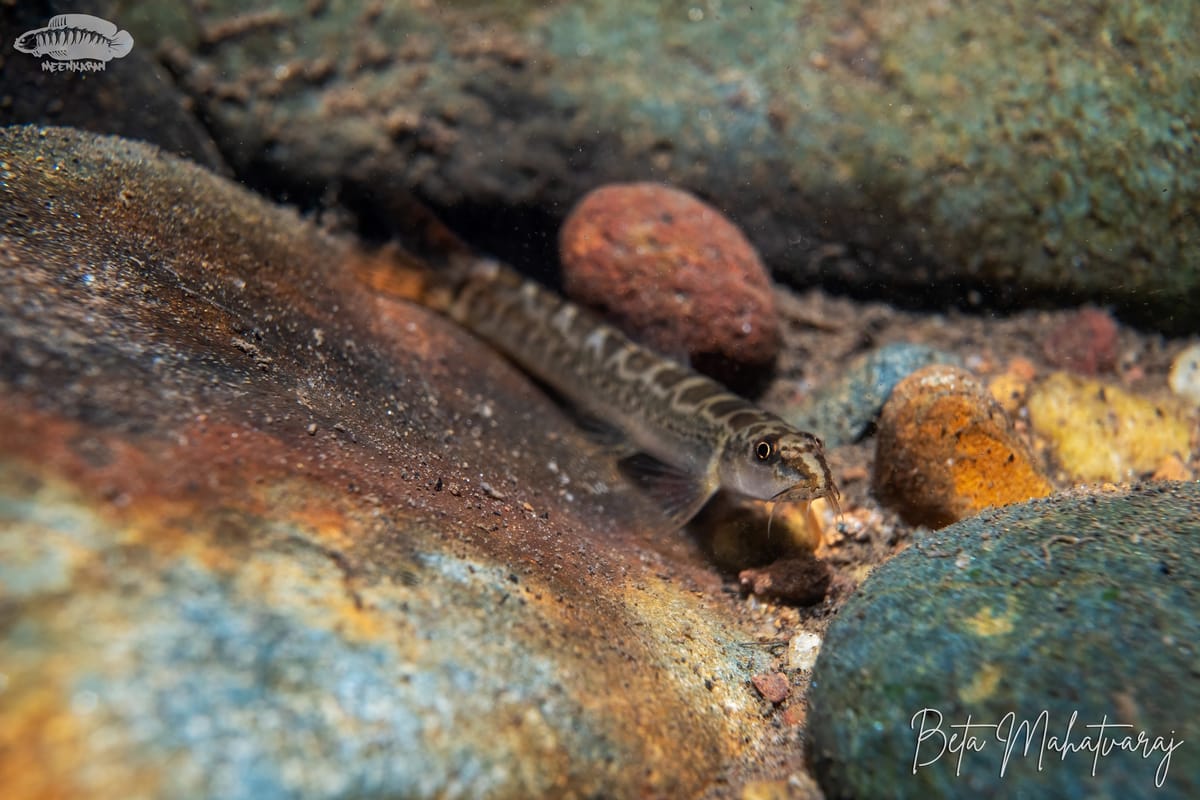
[[76, 37]]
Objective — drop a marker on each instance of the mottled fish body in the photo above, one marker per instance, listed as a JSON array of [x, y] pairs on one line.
[[76, 37], [682, 419]]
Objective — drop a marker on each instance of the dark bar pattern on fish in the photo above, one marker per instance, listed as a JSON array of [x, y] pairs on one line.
[[705, 437]]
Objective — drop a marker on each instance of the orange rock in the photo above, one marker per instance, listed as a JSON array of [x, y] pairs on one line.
[[946, 450], [1009, 390], [1172, 468], [673, 273], [1022, 368]]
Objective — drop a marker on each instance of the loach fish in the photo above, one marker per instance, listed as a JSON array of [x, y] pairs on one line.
[[698, 436], [71, 37]]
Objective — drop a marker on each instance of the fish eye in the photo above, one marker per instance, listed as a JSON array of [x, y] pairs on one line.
[[764, 450]]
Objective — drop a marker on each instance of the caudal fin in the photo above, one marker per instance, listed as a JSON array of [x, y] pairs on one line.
[[121, 44]]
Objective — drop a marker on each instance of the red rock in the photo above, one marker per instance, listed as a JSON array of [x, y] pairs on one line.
[[1086, 342], [675, 274], [773, 686], [794, 715]]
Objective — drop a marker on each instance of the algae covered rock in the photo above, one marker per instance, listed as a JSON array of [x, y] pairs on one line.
[[1058, 614], [907, 148], [843, 410]]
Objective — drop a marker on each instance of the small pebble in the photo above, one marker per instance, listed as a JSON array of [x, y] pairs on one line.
[[490, 491], [794, 715], [803, 650], [773, 686], [1185, 375], [1086, 342], [738, 534], [800, 579], [1099, 432], [947, 450], [674, 274]]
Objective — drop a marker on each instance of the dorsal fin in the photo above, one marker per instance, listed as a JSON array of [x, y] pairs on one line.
[[85, 21]]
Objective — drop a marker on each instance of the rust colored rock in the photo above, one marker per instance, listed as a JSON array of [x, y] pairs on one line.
[[947, 450], [268, 533], [675, 274], [1085, 343], [773, 686]]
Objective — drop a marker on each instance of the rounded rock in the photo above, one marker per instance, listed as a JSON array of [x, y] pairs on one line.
[[947, 450], [224, 572], [673, 273], [1185, 374], [1085, 342], [1084, 604], [1100, 432], [843, 410]]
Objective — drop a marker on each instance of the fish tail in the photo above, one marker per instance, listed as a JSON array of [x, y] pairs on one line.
[[121, 44]]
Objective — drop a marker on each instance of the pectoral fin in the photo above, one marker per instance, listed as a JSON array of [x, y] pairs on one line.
[[680, 494]]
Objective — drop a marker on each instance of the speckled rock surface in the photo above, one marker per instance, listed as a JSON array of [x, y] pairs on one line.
[[1084, 604], [1101, 432], [912, 148], [267, 533], [946, 450], [673, 273]]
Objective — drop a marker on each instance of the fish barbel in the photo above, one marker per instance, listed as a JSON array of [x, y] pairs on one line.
[[700, 436]]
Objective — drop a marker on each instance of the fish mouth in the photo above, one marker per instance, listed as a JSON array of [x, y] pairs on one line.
[[804, 494]]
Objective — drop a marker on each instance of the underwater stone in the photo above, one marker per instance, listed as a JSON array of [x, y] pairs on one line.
[[773, 686], [1085, 342], [674, 274], [1185, 374], [1100, 432], [246, 547], [912, 150], [946, 450], [1085, 603], [843, 411]]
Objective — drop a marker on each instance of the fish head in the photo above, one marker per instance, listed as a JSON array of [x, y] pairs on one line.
[[27, 42], [776, 462]]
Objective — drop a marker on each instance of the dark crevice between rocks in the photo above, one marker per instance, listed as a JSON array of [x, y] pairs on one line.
[[979, 298]]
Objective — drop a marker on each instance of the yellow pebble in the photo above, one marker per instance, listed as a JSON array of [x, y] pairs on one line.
[[1100, 432]]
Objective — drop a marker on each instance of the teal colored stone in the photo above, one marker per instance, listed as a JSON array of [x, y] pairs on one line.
[[842, 411], [1080, 604], [1026, 150]]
